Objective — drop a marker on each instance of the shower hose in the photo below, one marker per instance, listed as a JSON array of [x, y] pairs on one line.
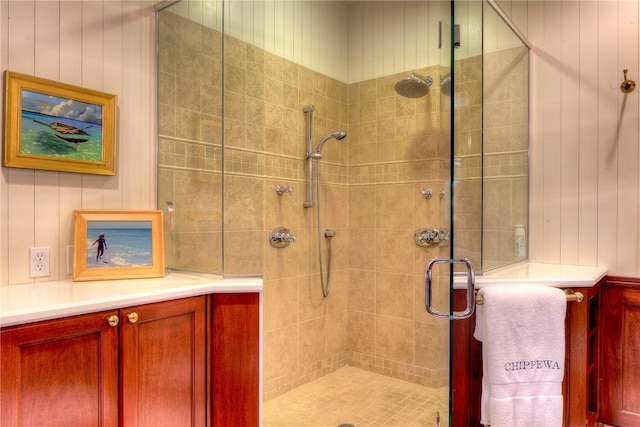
[[328, 234]]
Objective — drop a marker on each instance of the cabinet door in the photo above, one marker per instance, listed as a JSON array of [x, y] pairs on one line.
[[236, 359], [620, 403], [163, 363], [61, 372]]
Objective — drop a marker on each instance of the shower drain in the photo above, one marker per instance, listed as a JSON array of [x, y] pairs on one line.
[[346, 425]]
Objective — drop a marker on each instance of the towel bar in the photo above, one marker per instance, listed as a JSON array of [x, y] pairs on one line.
[[571, 297]]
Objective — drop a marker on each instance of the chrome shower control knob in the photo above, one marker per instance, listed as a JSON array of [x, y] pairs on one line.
[[443, 237], [280, 190], [280, 237], [427, 193]]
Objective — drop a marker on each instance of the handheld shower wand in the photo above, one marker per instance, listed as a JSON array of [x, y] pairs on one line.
[[311, 156], [317, 154]]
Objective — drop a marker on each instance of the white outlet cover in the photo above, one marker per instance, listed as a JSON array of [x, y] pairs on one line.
[[39, 261]]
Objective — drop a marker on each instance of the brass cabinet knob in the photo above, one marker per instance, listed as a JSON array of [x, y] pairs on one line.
[[133, 317], [113, 320]]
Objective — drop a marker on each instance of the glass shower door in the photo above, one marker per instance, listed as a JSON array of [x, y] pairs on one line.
[[450, 276]]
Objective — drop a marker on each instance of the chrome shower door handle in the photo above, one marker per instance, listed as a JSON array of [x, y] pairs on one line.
[[428, 289]]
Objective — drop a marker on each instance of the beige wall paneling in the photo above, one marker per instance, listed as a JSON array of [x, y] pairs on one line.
[[278, 37], [608, 89], [375, 51], [569, 184], [4, 205], [399, 46], [490, 33], [339, 32], [411, 19], [21, 190], [587, 123], [356, 28], [212, 14], [112, 70], [136, 181], [552, 127], [627, 141], [298, 30], [21, 220], [242, 19], [536, 168], [252, 13], [147, 100], [471, 33], [428, 34]]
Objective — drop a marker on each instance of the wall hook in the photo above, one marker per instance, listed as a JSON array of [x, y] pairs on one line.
[[627, 85]]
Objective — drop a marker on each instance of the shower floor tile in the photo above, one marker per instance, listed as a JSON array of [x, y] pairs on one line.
[[360, 398]]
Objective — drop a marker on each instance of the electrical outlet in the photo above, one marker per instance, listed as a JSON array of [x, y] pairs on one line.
[[39, 261]]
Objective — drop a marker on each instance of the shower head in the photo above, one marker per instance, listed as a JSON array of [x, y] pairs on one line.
[[445, 84], [337, 135], [415, 86]]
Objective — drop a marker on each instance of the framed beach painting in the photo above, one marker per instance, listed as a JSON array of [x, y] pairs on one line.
[[59, 127], [117, 245]]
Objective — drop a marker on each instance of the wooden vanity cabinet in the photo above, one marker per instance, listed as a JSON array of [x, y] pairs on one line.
[[620, 385], [60, 372], [146, 368], [163, 363], [235, 360]]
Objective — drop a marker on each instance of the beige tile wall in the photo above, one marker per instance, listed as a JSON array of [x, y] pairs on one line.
[[397, 148]]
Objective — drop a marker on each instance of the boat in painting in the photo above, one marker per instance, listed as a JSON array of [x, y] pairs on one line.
[[66, 131]]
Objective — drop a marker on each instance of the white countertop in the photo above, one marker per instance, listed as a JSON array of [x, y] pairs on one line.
[[556, 275], [48, 300]]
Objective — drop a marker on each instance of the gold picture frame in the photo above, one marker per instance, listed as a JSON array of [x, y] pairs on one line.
[[59, 127], [117, 244]]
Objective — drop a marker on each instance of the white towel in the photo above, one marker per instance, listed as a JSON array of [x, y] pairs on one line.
[[522, 331]]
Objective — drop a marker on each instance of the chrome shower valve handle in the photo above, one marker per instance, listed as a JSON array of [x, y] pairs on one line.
[[281, 190], [280, 237], [426, 237]]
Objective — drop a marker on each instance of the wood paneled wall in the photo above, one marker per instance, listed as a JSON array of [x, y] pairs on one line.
[[103, 45], [584, 132]]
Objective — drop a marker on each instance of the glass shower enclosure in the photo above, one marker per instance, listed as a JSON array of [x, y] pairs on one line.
[[437, 172]]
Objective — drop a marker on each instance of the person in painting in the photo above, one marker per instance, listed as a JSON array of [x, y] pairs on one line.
[[102, 245]]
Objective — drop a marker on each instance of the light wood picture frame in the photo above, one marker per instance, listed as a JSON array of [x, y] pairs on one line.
[[117, 244], [59, 127]]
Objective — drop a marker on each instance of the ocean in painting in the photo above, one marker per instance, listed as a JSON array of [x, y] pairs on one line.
[[128, 244], [38, 139]]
